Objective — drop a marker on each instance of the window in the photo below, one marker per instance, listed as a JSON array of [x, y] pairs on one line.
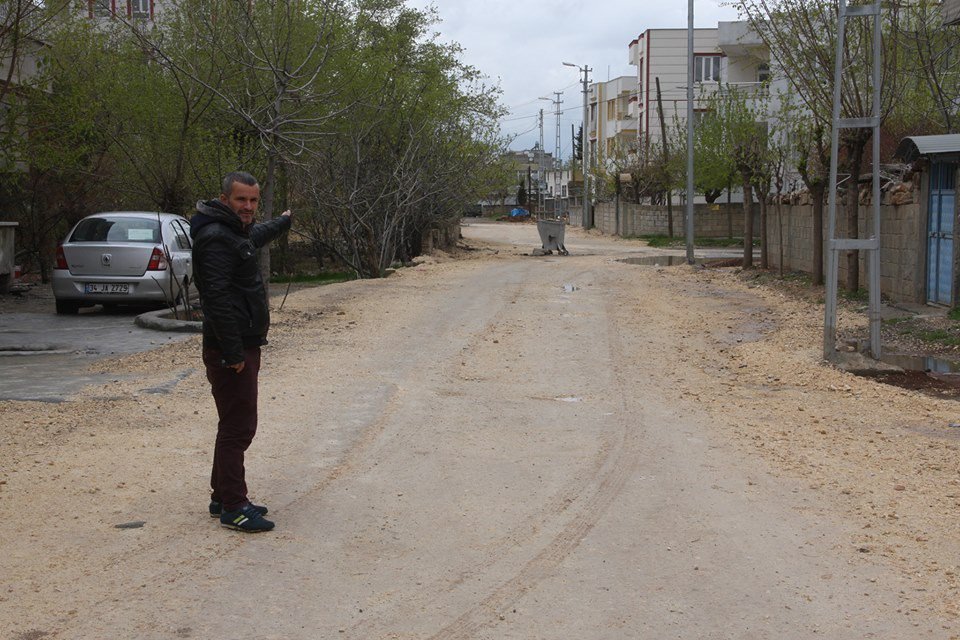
[[611, 110], [139, 8], [101, 8], [563, 191], [182, 232], [116, 229], [706, 68], [763, 72]]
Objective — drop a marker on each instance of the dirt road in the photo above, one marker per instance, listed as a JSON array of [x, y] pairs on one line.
[[495, 447]]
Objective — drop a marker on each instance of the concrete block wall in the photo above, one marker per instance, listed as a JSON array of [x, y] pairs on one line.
[[710, 220], [902, 237], [902, 246]]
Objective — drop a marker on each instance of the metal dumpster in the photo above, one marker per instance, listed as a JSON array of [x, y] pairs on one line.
[[7, 254], [551, 235]]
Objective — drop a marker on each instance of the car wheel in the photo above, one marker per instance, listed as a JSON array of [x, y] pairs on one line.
[[67, 307]]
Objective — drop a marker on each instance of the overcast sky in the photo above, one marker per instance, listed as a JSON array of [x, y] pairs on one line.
[[521, 45]]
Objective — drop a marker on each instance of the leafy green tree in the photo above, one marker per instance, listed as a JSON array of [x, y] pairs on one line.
[[411, 151], [731, 140]]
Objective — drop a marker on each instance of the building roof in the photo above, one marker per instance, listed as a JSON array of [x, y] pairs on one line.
[[914, 147]]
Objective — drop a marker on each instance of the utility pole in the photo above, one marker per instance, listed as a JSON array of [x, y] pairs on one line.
[[835, 245], [689, 226], [587, 220], [558, 166], [540, 181], [666, 157]]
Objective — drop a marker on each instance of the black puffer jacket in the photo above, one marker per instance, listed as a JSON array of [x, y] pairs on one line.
[[236, 313]]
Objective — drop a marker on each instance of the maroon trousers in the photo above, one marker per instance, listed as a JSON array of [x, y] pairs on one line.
[[235, 395]]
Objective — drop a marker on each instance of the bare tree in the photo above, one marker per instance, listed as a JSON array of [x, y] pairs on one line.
[[801, 37], [270, 64], [930, 69]]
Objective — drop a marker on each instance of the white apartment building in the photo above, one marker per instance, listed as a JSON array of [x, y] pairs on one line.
[[609, 121], [130, 9], [662, 54], [731, 54]]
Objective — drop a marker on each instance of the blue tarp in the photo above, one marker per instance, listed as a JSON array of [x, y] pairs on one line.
[[519, 212]]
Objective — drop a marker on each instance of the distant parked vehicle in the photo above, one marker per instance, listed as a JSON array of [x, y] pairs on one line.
[[124, 257]]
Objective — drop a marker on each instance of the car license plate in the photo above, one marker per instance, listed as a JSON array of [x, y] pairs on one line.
[[111, 287]]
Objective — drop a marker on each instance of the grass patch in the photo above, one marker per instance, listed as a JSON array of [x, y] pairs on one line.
[[860, 295], [954, 314], [314, 278], [940, 335]]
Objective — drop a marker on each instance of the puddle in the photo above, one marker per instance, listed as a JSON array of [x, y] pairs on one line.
[[921, 363], [672, 261], [570, 288], [932, 376]]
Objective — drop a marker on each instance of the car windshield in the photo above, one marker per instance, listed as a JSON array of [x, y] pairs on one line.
[[117, 229]]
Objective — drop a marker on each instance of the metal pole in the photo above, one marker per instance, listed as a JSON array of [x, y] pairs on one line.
[[689, 227], [585, 152], [557, 164], [874, 255], [540, 180], [830, 304]]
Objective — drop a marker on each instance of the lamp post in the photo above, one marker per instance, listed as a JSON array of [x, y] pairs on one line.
[[584, 147]]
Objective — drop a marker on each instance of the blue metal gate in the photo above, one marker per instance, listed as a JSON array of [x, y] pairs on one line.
[[940, 211]]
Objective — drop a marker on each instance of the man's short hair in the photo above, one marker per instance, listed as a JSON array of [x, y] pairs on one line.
[[236, 176]]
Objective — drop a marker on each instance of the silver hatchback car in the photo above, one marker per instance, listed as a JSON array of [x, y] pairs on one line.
[[124, 257]]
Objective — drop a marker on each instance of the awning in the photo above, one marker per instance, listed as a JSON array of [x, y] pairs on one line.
[[915, 147]]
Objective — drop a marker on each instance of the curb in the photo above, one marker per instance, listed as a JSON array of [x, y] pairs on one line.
[[155, 320]]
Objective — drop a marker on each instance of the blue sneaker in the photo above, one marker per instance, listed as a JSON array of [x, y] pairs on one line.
[[247, 519], [216, 508]]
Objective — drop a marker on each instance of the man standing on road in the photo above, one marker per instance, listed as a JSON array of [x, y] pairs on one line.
[[236, 317]]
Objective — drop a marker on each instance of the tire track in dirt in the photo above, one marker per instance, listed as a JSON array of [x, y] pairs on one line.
[[380, 406], [531, 525], [618, 466]]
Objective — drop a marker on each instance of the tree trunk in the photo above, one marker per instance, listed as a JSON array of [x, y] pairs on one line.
[[616, 217], [764, 248], [816, 194], [266, 206], [853, 213], [729, 214], [780, 232], [747, 224], [670, 213]]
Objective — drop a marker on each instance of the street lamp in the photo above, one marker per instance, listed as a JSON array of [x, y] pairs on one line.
[[584, 147]]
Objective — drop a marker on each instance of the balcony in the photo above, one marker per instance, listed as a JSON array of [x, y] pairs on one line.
[[737, 39], [634, 53], [625, 124]]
